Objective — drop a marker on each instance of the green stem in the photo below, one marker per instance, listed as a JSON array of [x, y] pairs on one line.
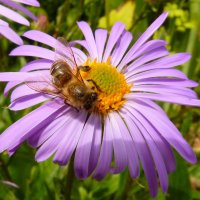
[[190, 47], [69, 180], [5, 169], [194, 9], [128, 187], [62, 14], [78, 17]]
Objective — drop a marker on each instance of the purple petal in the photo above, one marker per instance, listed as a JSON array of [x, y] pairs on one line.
[[69, 54], [154, 54], [38, 76], [89, 37], [105, 157], [10, 184], [39, 64], [12, 150], [18, 7], [144, 49], [84, 147], [168, 131], [52, 42], [121, 47], [29, 2], [150, 104], [3, 23], [100, 39], [77, 52], [10, 85], [80, 42], [166, 81], [70, 139], [27, 101], [131, 153], [23, 128], [83, 43], [166, 62], [96, 145], [17, 76], [145, 36], [115, 34], [14, 16], [144, 154], [21, 91], [40, 37], [168, 98], [7, 32], [35, 51], [51, 144], [152, 141], [49, 128], [165, 90], [157, 73], [56, 136], [162, 144], [120, 154], [80, 56]]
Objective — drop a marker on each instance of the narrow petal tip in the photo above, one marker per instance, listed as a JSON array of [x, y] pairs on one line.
[[187, 56], [27, 23], [29, 34], [166, 13], [10, 34], [19, 41], [12, 53], [192, 159], [37, 4], [82, 23], [162, 17], [59, 162], [39, 157]]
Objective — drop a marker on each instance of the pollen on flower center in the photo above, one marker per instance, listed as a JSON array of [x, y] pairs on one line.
[[110, 85]]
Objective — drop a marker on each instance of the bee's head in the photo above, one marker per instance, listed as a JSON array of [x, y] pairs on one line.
[[89, 100], [93, 96]]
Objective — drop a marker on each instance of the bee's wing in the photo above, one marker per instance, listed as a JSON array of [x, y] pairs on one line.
[[64, 51], [43, 84]]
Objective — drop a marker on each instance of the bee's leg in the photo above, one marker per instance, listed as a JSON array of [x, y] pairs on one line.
[[58, 91], [67, 103], [84, 68], [77, 110], [98, 88]]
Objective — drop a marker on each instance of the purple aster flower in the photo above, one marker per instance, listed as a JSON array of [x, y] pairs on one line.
[[124, 127], [6, 10]]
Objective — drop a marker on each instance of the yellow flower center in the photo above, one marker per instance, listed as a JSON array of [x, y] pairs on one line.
[[110, 85]]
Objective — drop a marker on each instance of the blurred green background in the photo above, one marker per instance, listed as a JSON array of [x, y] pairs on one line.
[[46, 181]]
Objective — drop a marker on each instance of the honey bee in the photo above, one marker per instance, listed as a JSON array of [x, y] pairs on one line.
[[66, 82]]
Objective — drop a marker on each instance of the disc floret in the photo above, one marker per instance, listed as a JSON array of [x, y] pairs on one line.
[[109, 83]]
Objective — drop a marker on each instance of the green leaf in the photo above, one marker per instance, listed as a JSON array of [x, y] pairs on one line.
[[179, 187], [123, 14]]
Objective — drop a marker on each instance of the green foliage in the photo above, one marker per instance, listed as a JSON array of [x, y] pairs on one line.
[[42, 181], [124, 14]]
